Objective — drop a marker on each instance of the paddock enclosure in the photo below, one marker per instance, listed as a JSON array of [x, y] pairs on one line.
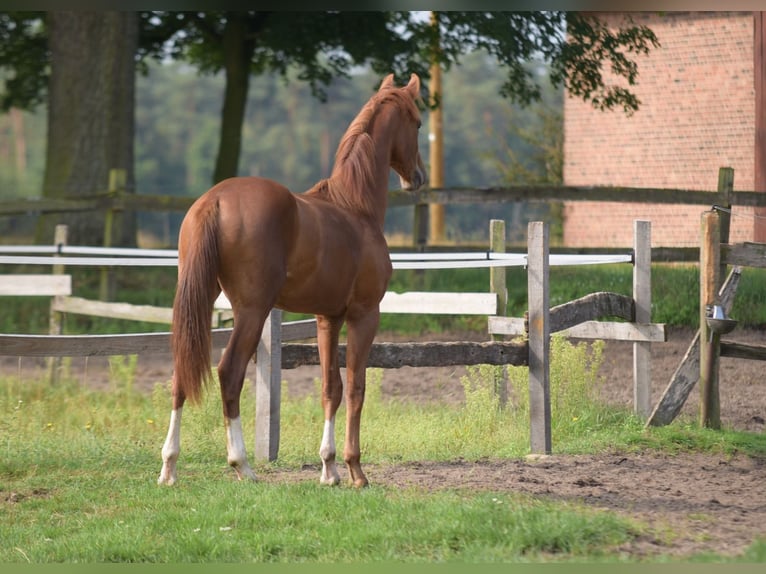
[[520, 341]]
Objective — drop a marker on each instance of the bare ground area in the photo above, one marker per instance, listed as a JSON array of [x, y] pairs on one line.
[[686, 503]]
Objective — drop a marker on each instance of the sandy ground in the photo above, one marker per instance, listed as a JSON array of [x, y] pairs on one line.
[[686, 503]]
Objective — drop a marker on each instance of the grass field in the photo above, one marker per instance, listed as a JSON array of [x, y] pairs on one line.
[[78, 479], [78, 467]]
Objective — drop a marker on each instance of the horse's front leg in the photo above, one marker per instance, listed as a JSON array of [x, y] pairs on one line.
[[328, 331], [361, 333]]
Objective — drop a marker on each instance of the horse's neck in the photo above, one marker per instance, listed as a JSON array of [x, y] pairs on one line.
[[374, 188]]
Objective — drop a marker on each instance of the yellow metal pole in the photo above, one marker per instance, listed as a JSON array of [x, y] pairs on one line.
[[437, 231]]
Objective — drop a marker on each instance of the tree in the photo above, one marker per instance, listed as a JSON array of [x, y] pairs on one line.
[[83, 65], [91, 112], [325, 45], [322, 45]]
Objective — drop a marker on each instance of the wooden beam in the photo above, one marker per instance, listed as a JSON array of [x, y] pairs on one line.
[[425, 302], [113, 310], [590, 307], [268, 385], [610, 330], [744, 254], [710, 259], [743, 351], [642, 300], [436, 354], [35, 285], [687, 373], [538, 286]]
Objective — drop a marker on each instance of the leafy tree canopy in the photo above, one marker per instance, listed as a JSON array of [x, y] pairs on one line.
[[583, 53]]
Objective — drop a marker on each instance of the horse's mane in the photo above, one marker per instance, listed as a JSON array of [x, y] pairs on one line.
[[352, 176]]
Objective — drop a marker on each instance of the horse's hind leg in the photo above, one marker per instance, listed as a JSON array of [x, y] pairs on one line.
[[328, 330], [172, 447], [231, 375]]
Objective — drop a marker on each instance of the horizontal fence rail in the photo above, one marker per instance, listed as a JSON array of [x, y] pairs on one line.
[[122, 200], [127, 257]]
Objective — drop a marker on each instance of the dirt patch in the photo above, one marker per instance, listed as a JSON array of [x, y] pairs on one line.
[[685, 503], [682, 505]]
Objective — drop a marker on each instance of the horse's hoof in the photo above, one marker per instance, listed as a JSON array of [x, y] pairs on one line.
[[167, 477], [329, 480], [246, 474], [359, 483]]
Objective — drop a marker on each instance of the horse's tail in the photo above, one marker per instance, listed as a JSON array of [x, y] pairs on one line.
[[193, 304]]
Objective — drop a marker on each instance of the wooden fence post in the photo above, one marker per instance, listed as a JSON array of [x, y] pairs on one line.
[[710, 260], [56, 318], [642, 296], [539, 337], [497, 285], [268, 386], [117, 181], [420, 224]]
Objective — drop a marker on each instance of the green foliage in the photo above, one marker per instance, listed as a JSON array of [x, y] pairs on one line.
[[577, 414]]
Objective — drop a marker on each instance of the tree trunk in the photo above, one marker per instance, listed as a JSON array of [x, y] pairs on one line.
[[90, 119], [238, 52]]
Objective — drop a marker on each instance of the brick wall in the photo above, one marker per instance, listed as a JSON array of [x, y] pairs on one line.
[[697, 114]]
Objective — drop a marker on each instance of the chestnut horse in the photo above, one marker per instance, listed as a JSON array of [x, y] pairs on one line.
[[321, 252]]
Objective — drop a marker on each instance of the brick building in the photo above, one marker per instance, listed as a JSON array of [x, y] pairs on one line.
[[698, 112]]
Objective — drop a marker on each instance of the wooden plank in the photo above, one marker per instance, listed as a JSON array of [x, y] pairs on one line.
[[687, 373], [743, 351], [613, 331], [497, 275], [35, 285], [589, 307], [744, 254], [506, 325], [56, 319], [268, 384], [539, 338], [299, 330], [534, 193], [422, 302], [710, 259], [537, 193], [95, 345], [83, 345], [642, 301], [114, 310], [383, 355], [436, 354]]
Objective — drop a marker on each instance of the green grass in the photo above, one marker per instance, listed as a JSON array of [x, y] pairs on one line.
[[78, 467], [78, 472]]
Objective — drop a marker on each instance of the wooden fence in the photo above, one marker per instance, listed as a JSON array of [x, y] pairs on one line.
[[576, 319], [117, 199], [701, 361]]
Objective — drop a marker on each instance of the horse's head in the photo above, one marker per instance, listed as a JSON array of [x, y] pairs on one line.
[[405, 155]]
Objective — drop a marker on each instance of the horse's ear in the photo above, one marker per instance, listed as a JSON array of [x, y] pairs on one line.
[[388, 82], [414, 86]]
